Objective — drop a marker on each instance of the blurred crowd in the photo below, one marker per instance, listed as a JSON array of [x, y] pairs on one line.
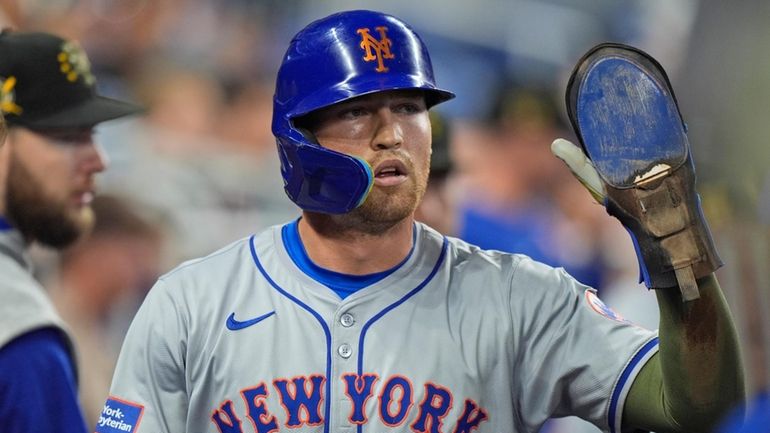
[[200, 170]]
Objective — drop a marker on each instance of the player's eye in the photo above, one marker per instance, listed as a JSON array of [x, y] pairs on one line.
[[70, 136], [409, 108], [353, 112]]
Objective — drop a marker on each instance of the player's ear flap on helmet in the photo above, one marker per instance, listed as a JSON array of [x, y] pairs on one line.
[[306, 125]]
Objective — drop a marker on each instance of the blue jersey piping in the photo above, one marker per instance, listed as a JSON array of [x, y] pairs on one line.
[[327, 333], [641, 354]]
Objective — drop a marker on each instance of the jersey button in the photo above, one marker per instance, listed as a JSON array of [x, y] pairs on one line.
[[347, 320], [344, 350]]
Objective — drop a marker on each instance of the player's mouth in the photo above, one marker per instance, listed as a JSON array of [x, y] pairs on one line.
[[83, 197], [391, 172]]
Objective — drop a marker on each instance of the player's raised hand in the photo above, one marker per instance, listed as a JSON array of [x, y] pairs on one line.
[[635, 159], [581, 167]]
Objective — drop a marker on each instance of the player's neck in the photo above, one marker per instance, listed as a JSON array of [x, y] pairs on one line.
[[351, 251]]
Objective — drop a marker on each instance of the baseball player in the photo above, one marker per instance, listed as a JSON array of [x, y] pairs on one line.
[[357, 318], [48, 161]]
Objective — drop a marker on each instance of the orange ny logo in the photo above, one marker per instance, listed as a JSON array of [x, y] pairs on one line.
[[375, 49]]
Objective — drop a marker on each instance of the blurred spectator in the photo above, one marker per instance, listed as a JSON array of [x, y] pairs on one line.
[[510, 204], [244, 122], [183, 105], [101, 281], [184, 162]]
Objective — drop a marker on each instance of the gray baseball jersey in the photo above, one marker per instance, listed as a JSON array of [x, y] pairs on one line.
[[457, 339]]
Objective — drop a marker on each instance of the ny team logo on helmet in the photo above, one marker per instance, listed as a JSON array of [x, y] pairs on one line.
[[376, 50], [332, 60]]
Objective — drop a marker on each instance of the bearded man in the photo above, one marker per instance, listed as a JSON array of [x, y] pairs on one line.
[[48, 161]]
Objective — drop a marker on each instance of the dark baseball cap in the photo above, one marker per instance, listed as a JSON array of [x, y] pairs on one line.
[[46, 83]]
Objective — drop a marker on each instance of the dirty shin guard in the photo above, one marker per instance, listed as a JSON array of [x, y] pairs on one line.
[[626, 117]]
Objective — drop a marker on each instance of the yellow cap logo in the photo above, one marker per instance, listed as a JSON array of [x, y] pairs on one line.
[[8, 96], [376, 49], [73, 63]]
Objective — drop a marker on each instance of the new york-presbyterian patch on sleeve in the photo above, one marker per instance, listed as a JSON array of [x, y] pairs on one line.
[[602, 308], [119, 416]]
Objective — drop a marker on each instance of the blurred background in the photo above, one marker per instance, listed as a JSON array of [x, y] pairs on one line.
[[200, 169]]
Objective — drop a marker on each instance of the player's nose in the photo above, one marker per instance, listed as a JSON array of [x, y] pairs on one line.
[[92, 158], [389, 133]]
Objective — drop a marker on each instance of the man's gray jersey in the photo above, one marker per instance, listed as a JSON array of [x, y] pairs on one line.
[[457, 339], [25, 305]]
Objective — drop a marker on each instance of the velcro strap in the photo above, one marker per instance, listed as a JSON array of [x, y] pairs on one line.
[[663, 212], [687, 284]]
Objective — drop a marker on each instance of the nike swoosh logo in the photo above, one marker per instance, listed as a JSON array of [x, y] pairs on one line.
[[235, 325]]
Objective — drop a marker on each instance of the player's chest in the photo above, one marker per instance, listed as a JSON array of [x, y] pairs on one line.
[[358, 364]]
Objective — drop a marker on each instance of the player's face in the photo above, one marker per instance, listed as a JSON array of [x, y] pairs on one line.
[[50, 183], [391, 131]]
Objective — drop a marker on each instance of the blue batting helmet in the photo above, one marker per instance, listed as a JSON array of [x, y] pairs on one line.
[[334, 59]]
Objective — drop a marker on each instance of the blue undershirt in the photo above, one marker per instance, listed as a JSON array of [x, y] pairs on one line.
[[37, 385], [37, 382], [343, 285], [4, 225]]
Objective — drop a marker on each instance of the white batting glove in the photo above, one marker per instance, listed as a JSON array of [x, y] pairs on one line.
[[581, 167]]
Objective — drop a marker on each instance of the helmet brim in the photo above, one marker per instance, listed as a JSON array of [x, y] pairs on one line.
[[356, 88]]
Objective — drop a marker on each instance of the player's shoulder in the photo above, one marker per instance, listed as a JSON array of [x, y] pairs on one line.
[[517, 280], [519, 270], [25, 305], [14, 275], [469, 265], [463, 254]]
